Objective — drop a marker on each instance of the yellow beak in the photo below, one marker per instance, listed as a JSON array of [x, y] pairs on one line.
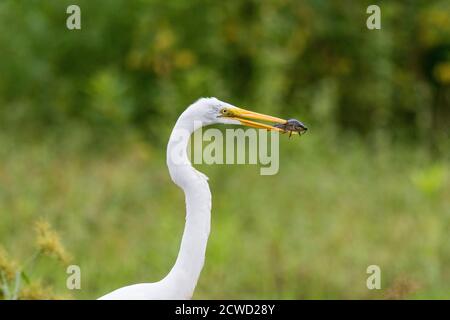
[[243, 117]]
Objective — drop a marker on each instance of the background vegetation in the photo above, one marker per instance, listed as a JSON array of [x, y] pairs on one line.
[[85, 116]]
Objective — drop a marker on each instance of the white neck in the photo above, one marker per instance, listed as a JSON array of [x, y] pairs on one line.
[[184, 275]]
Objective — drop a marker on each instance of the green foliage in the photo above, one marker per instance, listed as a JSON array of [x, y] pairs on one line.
[[85, 115], [336, 207], [430, 180], [137, 63]]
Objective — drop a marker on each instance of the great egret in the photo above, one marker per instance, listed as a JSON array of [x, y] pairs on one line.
[[182, 279]]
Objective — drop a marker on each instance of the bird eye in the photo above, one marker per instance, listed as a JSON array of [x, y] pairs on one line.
[[224, 111]]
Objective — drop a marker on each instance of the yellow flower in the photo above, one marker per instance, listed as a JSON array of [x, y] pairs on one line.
[[49, 243], [442, 72], [165, 38], [184, 59], [36, 291], [7, 266]]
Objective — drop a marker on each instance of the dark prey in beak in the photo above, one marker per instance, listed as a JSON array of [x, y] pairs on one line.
[[292, 125]]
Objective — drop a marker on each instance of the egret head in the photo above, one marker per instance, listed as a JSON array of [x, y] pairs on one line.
[[212, 111]]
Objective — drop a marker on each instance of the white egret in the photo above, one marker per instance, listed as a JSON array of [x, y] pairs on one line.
[[180, 282]]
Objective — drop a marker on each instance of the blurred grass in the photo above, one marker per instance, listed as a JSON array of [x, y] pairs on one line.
[[336, 207], [85, 116]]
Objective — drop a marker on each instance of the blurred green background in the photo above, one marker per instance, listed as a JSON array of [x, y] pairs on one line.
[[85, 116]]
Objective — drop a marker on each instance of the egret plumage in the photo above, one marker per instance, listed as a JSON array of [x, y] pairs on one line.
[[180, 282]]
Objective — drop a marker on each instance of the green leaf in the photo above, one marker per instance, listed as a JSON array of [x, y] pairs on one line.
[[25, 277]]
